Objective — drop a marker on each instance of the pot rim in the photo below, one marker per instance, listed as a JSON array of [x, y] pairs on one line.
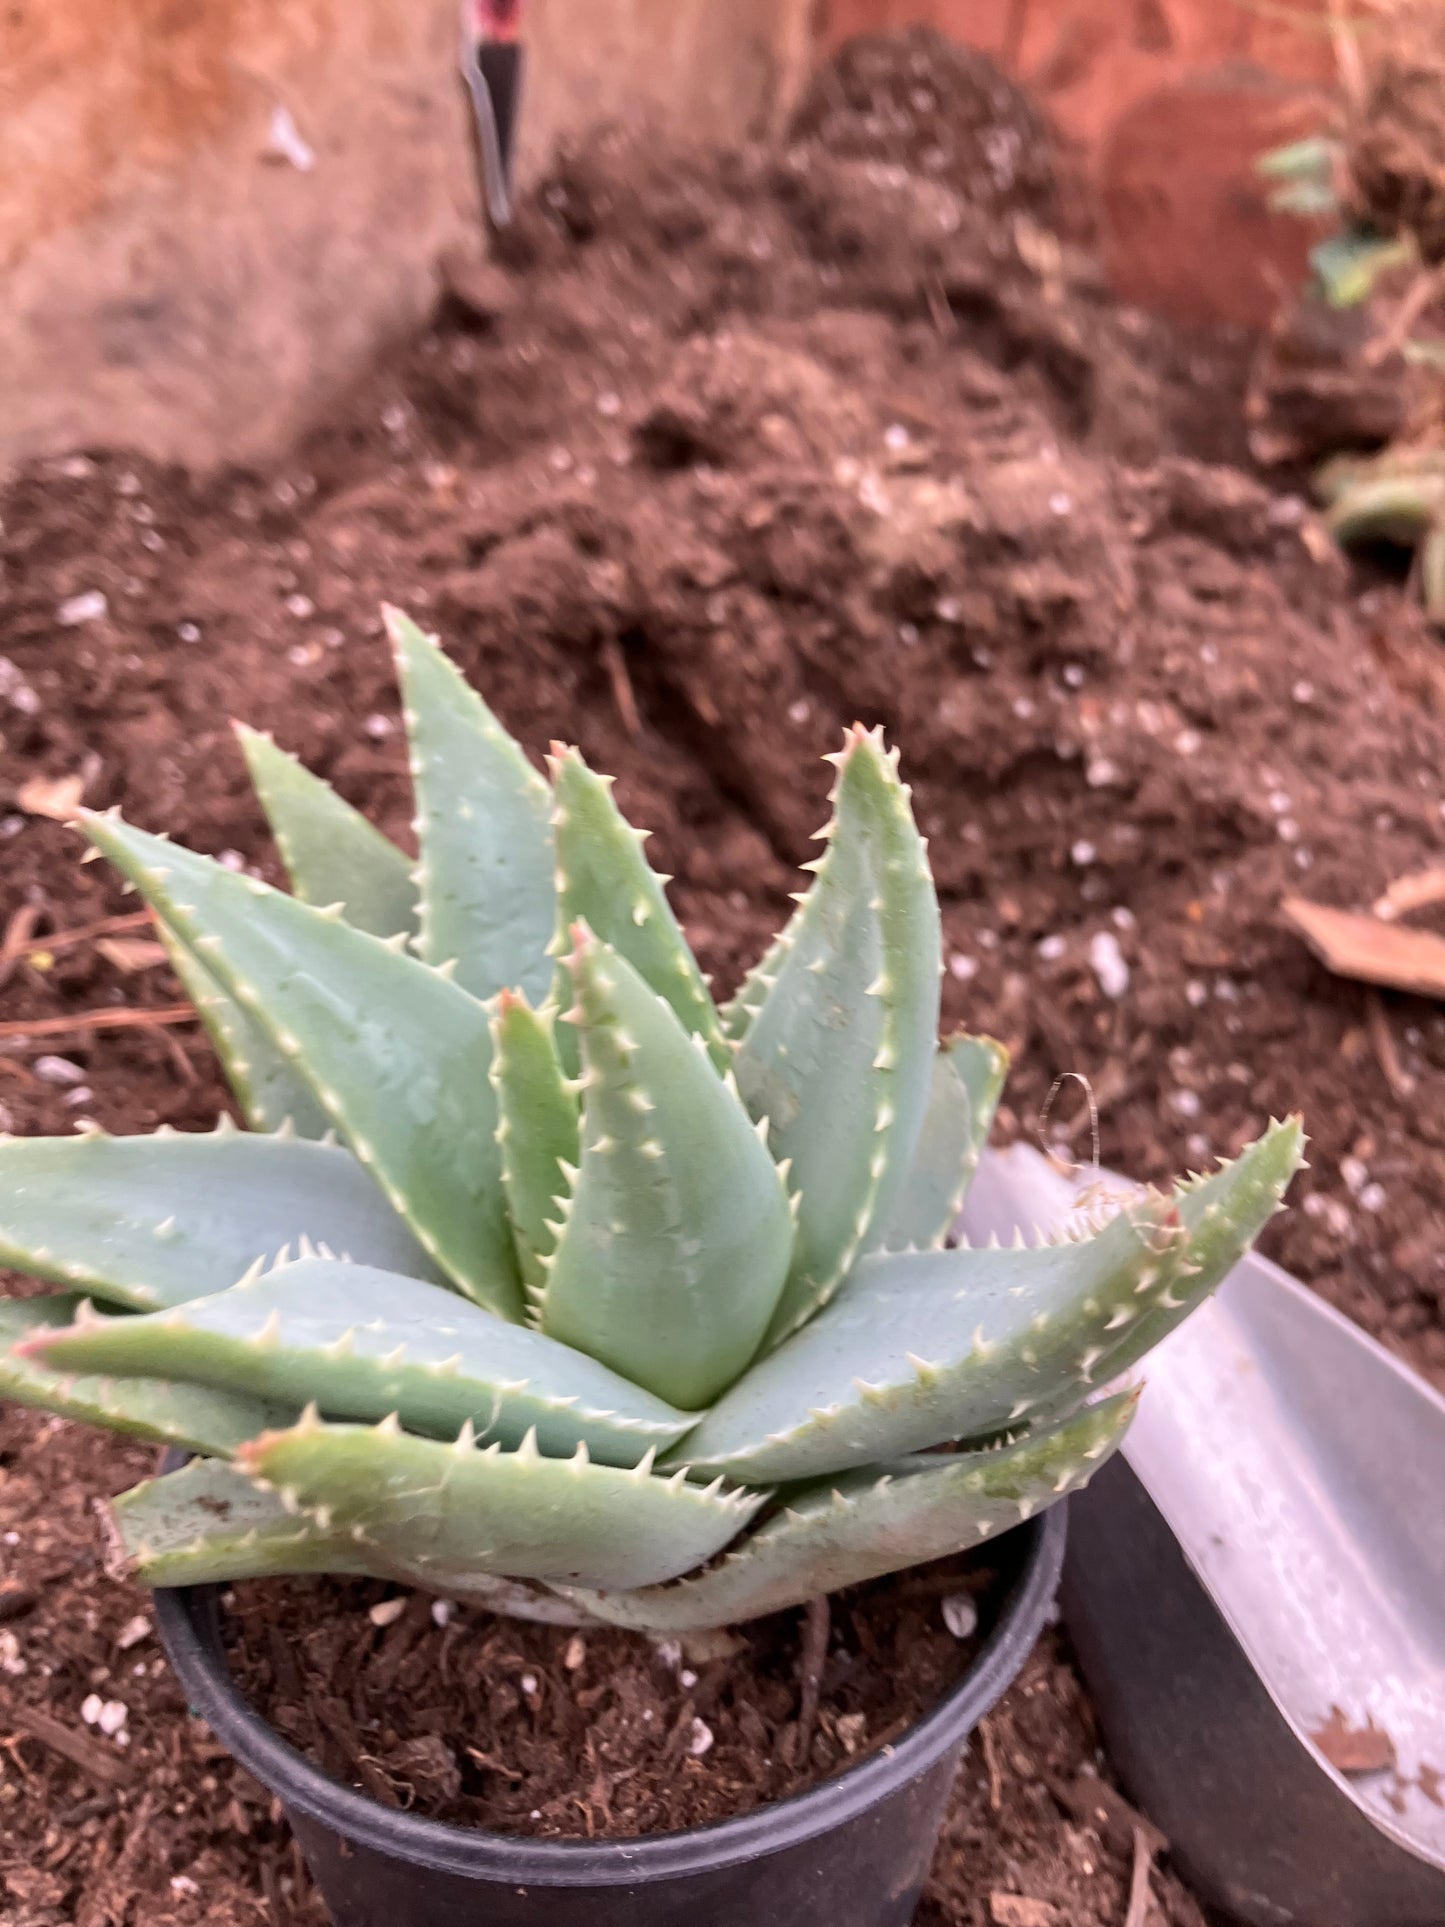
[[189, 1624]]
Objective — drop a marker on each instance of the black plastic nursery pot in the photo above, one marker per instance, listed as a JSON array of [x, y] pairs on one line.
[[853, 1851]]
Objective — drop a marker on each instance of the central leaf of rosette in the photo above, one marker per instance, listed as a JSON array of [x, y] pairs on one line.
[[675, 1239]]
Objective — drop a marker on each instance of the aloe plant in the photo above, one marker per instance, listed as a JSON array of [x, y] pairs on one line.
[[537, 1278]]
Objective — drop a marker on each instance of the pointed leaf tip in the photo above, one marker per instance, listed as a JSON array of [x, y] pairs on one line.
[[483, 825], [604, 879], [838, 1027], [331, 852]]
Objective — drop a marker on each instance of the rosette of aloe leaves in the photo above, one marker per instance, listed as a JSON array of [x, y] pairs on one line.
[[540, 1279]]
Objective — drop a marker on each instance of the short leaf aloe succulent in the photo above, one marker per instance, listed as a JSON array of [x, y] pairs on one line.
[[539, 1279]]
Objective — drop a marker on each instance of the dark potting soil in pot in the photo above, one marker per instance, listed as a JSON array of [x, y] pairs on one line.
[[717, 464], [528, 1729]]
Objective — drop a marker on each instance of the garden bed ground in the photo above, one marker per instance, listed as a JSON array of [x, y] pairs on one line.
[[722, 456]]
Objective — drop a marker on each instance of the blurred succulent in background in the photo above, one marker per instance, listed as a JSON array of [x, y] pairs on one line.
[[1310, 178], [609, 1302], [1380, 181]]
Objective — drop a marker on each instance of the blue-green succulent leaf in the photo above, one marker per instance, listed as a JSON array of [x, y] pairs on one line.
[[444, 1511], [332, 854], [675, 1239], [483, 826], [208, 1523], [604, 881], [151, 1221], [838, 1057], [270, 1093], [922, 1347], [736, 1016], [968, 1079], [156, 1409], [1349, 265], [396, 1052], [1222, 1214], [1386, 504], [538, 1129], [875, 1521], [362, 1343], [1313, 158]]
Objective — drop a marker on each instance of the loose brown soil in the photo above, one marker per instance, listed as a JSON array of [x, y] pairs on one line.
[[491, 1722], [725, 454]]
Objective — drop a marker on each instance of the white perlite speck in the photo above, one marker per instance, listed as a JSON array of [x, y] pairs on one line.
[[90, 606], [1106, 960], [699, 1739], [57, 1070], [109, 1715], [285, 141], [960, 1614]]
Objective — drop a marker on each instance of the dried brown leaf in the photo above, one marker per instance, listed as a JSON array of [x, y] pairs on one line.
[[1372, 952], [57, 797], [1354, 1749], [130, 954]]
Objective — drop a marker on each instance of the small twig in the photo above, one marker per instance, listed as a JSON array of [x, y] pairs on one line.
[[1094, 1803], [1011, 45], [121, 1018], [623, 693], [990, 1760], [16, 939], [1140, 1896], [816, 1622], [491, 1765], [1396, 331], [59, 940], [175, 1050], [1383, 1038], [78, 1748], [1349, 62], [878, 1742]]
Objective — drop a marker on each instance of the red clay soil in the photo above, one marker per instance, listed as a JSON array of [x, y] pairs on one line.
[[728, 453]]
